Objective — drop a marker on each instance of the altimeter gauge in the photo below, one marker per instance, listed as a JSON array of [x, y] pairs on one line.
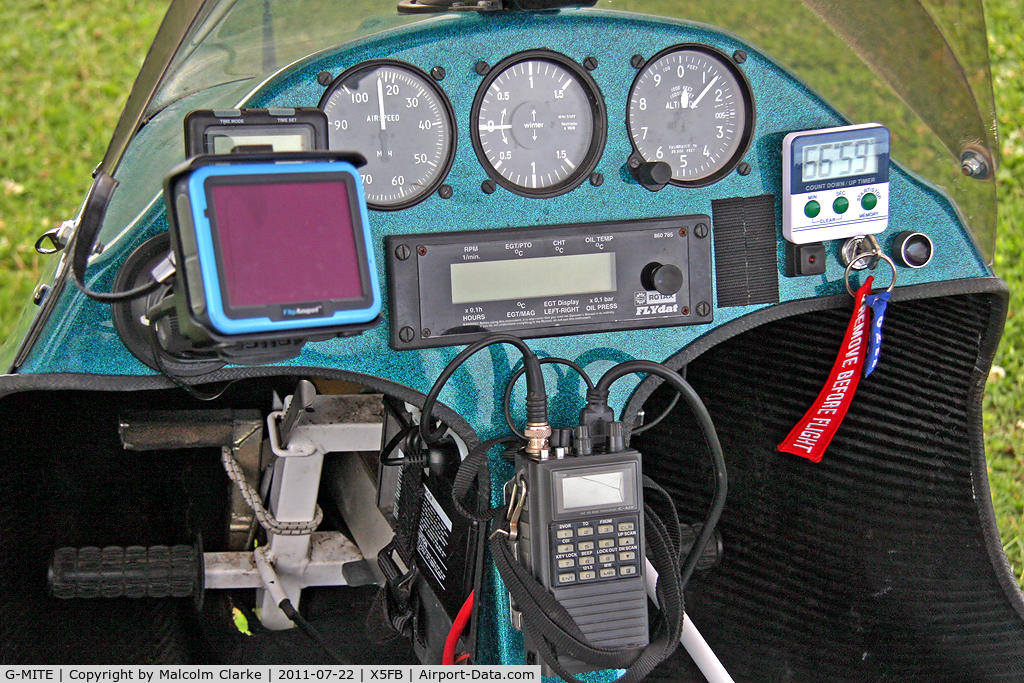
[[397, 117], [538, 124], [690, 107]]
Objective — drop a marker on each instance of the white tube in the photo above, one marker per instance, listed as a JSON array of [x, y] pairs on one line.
[[702, 654], [699, 650], [268, 576]]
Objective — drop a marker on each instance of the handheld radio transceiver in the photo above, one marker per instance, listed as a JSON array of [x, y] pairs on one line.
[[581, 534]]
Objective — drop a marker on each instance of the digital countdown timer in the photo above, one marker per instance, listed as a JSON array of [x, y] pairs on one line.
[[835, 183]]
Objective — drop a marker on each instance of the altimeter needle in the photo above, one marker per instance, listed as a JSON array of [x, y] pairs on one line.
[[693, 105]]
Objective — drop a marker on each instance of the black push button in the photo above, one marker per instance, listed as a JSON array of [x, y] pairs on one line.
[[805, 259]]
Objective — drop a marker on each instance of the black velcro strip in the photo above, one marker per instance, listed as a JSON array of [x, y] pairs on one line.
[[746, 260]]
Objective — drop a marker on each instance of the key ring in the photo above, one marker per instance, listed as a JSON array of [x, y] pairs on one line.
[[870, 254]]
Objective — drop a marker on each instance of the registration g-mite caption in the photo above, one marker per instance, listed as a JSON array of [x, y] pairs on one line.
[[268, 674]]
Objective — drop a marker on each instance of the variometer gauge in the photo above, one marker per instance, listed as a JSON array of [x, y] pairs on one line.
[[397, 117], [538, 124], [691, 108]]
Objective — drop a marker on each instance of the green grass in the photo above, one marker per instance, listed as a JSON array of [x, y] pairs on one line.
[[67, 67], [1004, 399]]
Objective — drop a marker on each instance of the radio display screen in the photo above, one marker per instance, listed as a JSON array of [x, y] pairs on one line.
[[528, 278], [594, 490]]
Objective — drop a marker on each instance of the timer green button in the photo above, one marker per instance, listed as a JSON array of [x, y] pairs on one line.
[[841, 204], [869, 201], [812, 209]]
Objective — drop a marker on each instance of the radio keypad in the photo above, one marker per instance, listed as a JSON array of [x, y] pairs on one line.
[[595, 549]]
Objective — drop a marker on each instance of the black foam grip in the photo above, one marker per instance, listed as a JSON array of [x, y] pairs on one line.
[[158, 571]]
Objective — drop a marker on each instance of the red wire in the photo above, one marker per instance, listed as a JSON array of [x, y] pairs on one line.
[[458, 626]]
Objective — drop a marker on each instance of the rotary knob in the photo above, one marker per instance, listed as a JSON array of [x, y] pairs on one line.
[[653, 175], [663, 278]]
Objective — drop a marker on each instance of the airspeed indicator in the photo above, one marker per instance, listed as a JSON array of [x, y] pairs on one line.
[[399, 119]]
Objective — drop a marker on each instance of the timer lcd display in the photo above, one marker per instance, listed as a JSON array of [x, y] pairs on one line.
[[829, 160], [216, 131], [224, 139], [284, 242]]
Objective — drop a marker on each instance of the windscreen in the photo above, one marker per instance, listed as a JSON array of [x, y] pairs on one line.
[[919, 67]]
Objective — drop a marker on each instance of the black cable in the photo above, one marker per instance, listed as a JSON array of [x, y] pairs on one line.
[[476, 468], [656, 421], [707, 427], [536, 396], [665, 413], [157, 350], [314, 635], [86, 232], [115, 297], [507, 401], [392, 446]]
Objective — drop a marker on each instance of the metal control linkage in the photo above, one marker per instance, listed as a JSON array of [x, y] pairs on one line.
[[316, 426], [299, 436], [238, 433], [302, 400]]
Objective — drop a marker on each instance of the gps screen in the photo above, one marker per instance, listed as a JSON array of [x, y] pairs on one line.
[[282, 242]]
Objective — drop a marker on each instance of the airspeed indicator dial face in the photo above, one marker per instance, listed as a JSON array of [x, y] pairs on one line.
[[538, 124], [399, 119], [691, 108]]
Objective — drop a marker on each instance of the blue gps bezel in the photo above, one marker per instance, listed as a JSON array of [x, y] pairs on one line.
[[342, 312]]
